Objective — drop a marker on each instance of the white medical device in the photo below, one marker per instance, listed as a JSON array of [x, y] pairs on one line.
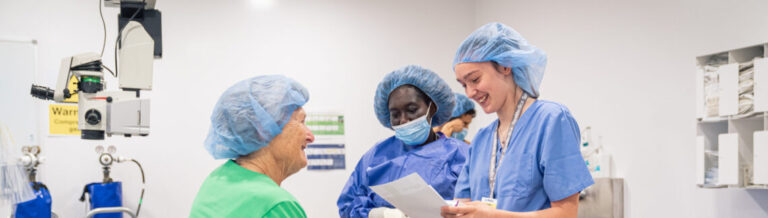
[[123, 112]]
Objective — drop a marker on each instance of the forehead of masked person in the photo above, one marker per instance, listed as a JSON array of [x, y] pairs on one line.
[[407, 103]]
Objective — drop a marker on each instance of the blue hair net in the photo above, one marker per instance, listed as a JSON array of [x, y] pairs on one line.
[[251, 113], [426, 80], [463, 104], [503, 45]]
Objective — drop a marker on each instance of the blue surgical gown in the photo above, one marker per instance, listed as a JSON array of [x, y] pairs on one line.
[[438, 163], [542, 164]]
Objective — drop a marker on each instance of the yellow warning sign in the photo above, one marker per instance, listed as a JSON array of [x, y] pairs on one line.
[[62, 119], [72, 86]]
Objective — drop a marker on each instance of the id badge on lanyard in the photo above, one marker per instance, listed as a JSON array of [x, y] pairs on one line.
[[493, 169], [489, 201]]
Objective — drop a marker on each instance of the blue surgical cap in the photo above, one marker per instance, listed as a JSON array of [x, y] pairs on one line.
[[503, 45], [463, 104], [423, 79], [251, 113]]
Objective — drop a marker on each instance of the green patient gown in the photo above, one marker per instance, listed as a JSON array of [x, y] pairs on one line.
[[233, 191]]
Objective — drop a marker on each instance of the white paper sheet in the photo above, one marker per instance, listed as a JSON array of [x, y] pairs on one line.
[[413, 196]]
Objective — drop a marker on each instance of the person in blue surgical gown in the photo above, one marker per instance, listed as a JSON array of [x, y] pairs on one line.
[[527, 162], [411, 101]]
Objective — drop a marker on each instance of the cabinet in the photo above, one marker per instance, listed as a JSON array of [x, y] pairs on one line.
[[732, 118]]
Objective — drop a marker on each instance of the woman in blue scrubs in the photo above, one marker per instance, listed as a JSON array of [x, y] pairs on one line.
[[411, 101], [526, 163]]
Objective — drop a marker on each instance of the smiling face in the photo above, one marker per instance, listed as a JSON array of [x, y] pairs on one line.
[[289, 145], [486, 83]]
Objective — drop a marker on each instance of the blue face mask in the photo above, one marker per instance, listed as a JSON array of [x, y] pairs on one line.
[[414, 132], [460, 135]]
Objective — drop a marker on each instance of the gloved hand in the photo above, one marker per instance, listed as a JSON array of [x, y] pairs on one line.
[[457, 124], [452, 126], [385, 212]]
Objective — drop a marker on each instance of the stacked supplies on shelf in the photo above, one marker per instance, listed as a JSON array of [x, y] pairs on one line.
[[712, 84], [711, 91], [746, 87], [711, 175]]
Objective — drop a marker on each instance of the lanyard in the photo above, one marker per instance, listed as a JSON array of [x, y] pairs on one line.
[[494, 169]]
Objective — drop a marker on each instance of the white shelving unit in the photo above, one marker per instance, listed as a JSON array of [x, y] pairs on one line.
[[732, 140]]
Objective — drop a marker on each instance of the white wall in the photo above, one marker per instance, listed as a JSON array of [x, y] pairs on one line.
[[339, 50], [627, 68]]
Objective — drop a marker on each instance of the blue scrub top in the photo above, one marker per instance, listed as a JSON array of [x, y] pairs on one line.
[[438, 163], [542, 164]]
